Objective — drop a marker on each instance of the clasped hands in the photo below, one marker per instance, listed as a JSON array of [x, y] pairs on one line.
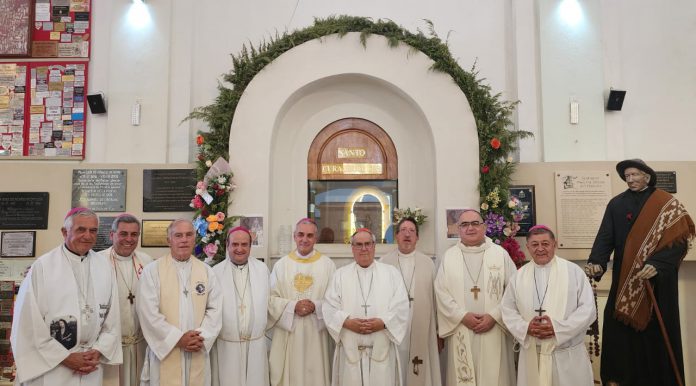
[[364, 326], [82, 363], [478, 323], [541, 327], [304, 307], [191, 341]]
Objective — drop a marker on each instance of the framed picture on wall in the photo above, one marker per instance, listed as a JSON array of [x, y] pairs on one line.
[[18, 244], [525, 211], [16, 18]]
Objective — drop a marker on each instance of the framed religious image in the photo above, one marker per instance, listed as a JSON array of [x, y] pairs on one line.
[[154, 233], [18, 244], [255, 226], [452, 216], [524, 212], [16, 18]]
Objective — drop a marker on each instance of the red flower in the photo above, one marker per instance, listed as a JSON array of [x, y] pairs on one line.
[[201, 157], [199, 140], [485, 169], [495, 143]]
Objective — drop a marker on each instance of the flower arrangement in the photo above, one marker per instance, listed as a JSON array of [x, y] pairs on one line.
[[416, 214], [210, 202]]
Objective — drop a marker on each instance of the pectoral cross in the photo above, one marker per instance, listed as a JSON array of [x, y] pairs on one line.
[[410, 300], [365, 307], [185, 291], [87, 310], [130, 297], [242, 307], [475, 289], [540, 310], [416, 362]]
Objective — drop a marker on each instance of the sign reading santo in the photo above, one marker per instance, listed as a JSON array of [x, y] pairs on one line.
[[351, 152]]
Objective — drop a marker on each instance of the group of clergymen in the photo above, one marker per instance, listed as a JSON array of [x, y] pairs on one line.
[[118, 317]]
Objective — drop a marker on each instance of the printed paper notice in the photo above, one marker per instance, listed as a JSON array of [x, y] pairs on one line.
[[581, 198]]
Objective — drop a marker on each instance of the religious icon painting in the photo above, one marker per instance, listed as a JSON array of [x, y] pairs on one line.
[[64, 330], [200, 288]]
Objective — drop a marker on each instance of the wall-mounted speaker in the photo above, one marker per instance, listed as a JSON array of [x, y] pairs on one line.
[[97, 104], [616, 99]]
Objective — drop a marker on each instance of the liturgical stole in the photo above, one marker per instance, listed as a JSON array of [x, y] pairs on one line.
[[170, 368]]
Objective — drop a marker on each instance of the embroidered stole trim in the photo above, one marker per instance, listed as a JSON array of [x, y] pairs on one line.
[[491, 341], [170, 367], [540, 367], [662, 222]]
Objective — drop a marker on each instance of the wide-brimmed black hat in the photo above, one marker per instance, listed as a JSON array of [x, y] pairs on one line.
[[638, 164]]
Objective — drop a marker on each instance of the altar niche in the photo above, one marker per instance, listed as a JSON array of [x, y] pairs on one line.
[[352, 181]]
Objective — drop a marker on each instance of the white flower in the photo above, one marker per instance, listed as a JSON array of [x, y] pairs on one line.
[[204, 239], [512, 204], [509, 159], [221, 180], [199, 191], [217, 242], [208, 163], [484, 206], [507, 231]]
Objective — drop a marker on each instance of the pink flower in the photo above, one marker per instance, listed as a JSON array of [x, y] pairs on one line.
[[197, 202], [220, 216], [200, 185], [210, 250]]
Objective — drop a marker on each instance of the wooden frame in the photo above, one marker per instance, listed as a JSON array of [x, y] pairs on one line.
[[16, 28]]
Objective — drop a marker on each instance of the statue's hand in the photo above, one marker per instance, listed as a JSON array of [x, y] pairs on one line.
[[593, 270], [647, 272]]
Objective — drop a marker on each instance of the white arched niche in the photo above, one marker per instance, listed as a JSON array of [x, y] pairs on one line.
[[286, 105]]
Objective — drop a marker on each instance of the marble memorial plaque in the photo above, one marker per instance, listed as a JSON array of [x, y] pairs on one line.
[[168, 190], [667, 181], [102, 190], [24, 210]]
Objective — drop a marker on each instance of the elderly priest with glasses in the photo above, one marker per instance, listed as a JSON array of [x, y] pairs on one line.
[[366, 313]]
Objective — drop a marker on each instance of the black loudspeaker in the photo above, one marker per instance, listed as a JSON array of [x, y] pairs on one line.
[[616, 99], [96, 103]]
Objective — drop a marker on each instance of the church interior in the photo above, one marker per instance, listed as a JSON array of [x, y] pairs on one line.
[[347, 128]]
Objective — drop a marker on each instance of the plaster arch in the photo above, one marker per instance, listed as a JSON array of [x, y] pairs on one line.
[[294, 97]]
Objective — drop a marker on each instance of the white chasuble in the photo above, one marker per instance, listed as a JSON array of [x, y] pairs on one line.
[[175, 297], [373, 292], [473, 279], [66, 304], [562, 291], [300, 346], [420, 360], [128, 270], [240, 355]]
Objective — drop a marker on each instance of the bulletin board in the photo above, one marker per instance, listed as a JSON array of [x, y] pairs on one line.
[[61, 29], [52, 115]]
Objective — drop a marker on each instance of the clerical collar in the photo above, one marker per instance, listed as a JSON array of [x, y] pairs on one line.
[[304, 257], [406, 255], [239, 265], [74, 255], [475, 249]]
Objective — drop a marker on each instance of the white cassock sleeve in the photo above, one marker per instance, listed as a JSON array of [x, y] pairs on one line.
[[212, 321], [332, 309], [161, 336], [109, 341], [511, 314], [35, 351], [576, 321]]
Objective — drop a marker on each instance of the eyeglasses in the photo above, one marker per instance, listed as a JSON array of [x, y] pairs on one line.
[[366, 245], [466, 224]]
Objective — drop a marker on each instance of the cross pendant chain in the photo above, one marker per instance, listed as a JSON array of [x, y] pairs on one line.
[[540, 310], [410, 300], [364, 306], [185, 291], [475, 290], [130, 297]]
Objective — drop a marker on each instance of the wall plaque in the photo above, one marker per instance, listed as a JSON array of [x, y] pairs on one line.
[[24, 210], [154, 233], [102, 190], [18, 244], [103, 239], [667, 181], [581, 197], [168, 190]]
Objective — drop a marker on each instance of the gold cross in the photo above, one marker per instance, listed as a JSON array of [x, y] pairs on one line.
[[475, 289]]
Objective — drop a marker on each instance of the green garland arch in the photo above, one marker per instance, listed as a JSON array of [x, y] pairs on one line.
[[493, 115]]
